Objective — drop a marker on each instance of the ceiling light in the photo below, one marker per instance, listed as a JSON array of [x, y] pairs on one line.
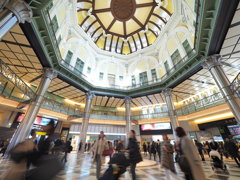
[[213, 117]]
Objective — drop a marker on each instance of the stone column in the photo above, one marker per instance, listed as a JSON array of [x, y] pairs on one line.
[[85, 120], [24, 129], [212, 63], [128, 115], [171, 110], [11, 13]]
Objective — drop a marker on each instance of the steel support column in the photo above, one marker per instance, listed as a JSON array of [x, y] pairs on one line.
[[85, 120], [171, 110], [24, 129], [11, 13], [128, 115], [213, 64]]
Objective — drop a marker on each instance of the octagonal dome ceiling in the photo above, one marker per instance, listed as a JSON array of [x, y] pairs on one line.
[[123, 26]]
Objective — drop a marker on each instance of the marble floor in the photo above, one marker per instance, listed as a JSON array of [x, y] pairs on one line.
[[80, 167]]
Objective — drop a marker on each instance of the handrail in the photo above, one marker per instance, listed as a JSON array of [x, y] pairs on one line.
[[61, 107], [10, 75]]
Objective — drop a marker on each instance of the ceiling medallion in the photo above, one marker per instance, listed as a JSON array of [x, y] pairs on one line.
[[123, 10]]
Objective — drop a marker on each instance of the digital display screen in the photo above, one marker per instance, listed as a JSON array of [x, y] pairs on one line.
[[234, 129], [41, 121], [157, 126]]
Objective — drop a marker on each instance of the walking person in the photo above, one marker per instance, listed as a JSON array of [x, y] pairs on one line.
[[67, 149], [99, 146], [232, 150], [159, 149], [134, 153], [189, 160], [167, 151], [149, 148], [153, 150], [200, 149], [144, 148]]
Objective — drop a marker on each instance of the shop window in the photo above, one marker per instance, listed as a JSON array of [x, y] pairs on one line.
[[55, 24], [111, 79], [100, 76], [166, 65], [143, 78], [79, 65], [144, 110], [154, 74], [187, 47], [89, 70], [176, 57], [120, 78], [133, 81], [158, 108], [68, 57], [151, 110]]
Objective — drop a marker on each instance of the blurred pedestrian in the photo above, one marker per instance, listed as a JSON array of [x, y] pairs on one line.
[[67, 149], [159, 149], [144, 148], [200, 149], [189, 160], [99, 146], [214, 145], [134, 153], [232, 149], [153, 150], [167, 154]]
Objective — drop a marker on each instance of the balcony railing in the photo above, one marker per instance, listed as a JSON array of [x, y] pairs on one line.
[[78, 73], [205, 103]]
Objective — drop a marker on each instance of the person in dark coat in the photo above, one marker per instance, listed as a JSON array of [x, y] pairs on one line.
[[144, 148], [67, 149], [200, 149], [148, 148], [134, 153], [214, 145], [159, 149], [232, 149], [153, 149]]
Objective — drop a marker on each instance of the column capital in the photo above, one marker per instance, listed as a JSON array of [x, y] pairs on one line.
[[20, 9], [212, 61], [167, 92], [90, 95], [49, 73], [127, 100]]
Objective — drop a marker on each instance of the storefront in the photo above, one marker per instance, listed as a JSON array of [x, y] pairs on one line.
[[39, 124], [219, 130], [149, 132], [112, 132]]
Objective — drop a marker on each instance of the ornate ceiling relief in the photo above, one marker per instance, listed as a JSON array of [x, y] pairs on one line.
[[123, 26]]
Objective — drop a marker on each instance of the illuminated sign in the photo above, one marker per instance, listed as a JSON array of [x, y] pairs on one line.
[[157, 126]]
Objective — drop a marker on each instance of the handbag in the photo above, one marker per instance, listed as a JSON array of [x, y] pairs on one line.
[[107, 152]]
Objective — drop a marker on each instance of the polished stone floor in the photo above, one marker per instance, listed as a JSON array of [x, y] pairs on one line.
[[81, 167]]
